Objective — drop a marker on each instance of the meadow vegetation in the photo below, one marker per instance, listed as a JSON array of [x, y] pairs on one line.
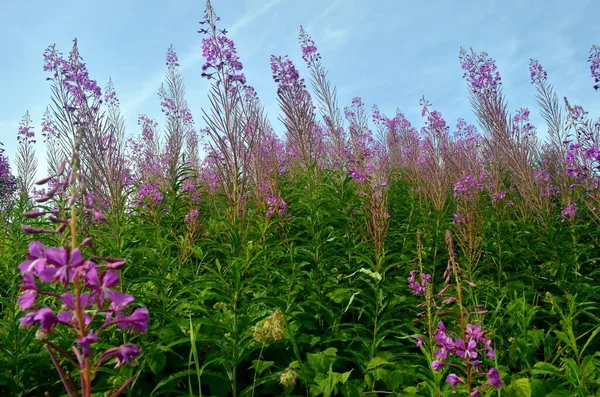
[[351, 253]]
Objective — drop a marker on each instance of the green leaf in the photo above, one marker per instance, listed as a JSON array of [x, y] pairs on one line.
[[156, 360], [377, 362], [519, 388], [375, 275], [320, 361], [393, 379], [543, 368], [345, 376], [260, 365]]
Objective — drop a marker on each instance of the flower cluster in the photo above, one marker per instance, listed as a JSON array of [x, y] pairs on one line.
[[272, 330], [544, 184], [275, 205], [149, 194], [418, 287], [288, 378], [310, 53], [464, 349], [84, 289], [537, 73], [285, 74], [172, 61], [569, 213], [221, 56], [582, 156], [60, 266], [72, 75], [594, 60], [8, 184], [469, 348], [467, 187], [480, 72]]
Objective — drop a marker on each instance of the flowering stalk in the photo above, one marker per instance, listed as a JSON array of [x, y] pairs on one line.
[[334, 137], [303, 135], [180, 123], [269, 163], [485, 87], [583, 159], [433, 162], [234, 121], [51, 135], [468, 218], [468, 342], [402, 149], [8, 186], [77, 101], [551, 112], [420, 283], [112, 166], [146, 162], [26, 161], [90, 305], [594, 60], [365, 160]]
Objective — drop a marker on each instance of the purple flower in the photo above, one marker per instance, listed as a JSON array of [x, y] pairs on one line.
[[444, 341], [419, 341], [119, 300], [73, 76], [458, 219], [436, 365], [466, 350], [285, 74], [594, 60], [138, 320], [27, 300], [126, 352], [494, 378], [442, 353], [569, 212], [47, 319], [68, 300], [454, 379], [480, 72], [310, 53], [86, 341], [221, 56], [537, 73], [498, 196], [192, 214], [474, 332], [488, 346], [276, 205], [172, 60], [66, 317], [418, 288], [123, 354]]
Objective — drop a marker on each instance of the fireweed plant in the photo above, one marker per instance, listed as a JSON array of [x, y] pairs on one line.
[[85, 299], [460, 345], [276, 263]]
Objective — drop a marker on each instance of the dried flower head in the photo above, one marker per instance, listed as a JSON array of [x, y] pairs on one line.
[[288, 378], [273, 329]]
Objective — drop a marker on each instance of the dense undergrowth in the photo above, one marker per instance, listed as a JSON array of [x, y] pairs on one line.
[[329, 260]]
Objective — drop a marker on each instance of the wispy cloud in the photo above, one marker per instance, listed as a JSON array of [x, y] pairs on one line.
[[326, 12], [335, 37]]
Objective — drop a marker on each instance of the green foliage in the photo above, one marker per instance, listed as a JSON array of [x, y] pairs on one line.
[[347, 317]]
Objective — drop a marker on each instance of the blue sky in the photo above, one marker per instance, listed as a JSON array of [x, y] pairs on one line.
[[389, 52]]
